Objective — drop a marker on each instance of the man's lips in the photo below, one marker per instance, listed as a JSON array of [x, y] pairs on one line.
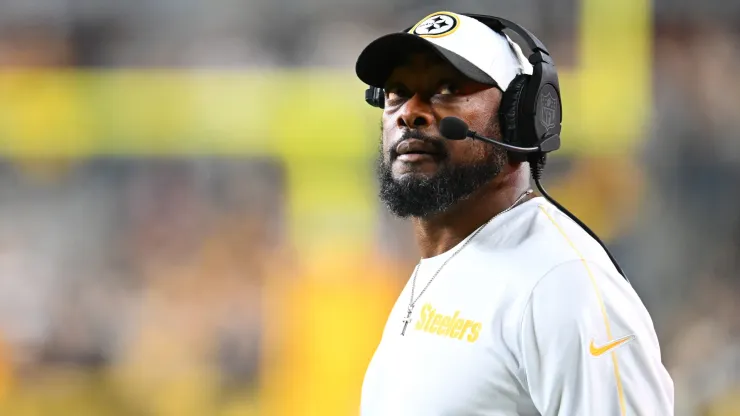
[[415, 157], [411, 147]]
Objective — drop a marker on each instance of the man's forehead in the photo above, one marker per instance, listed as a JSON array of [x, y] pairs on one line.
[[423, 62]]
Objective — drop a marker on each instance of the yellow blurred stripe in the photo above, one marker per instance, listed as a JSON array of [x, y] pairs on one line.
[[176, 112], [309, 113], [615, 84]]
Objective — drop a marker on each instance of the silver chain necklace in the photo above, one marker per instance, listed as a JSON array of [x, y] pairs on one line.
[[413, 301]]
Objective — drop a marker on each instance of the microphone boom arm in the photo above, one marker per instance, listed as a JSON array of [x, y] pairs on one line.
[[548, 144], [473, 135]]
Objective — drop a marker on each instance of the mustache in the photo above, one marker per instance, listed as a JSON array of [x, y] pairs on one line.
[[436, 142]]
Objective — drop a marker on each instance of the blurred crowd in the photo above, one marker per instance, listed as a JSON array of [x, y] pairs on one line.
[[145, 274], [141, 285]]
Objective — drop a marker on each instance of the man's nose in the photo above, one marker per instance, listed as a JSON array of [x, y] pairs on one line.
[[417, 112]]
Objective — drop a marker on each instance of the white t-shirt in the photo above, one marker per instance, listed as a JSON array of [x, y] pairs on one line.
[[530, 318]]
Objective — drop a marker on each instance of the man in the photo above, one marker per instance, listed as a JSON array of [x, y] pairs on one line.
[[513, 309]]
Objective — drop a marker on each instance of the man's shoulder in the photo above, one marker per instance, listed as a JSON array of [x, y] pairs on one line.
[[543, 248], [563, 239], [537, 237], [570, 253]]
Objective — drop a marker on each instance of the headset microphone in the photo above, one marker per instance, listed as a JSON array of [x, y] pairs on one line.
[[453, 128]]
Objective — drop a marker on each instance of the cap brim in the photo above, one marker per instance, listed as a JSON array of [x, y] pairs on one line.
[[377, 61]]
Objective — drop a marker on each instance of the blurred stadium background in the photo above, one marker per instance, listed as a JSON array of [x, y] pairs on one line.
[[188, 220]]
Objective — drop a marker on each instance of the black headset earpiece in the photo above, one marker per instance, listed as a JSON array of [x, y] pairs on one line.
[[509, 115], [534, 99]]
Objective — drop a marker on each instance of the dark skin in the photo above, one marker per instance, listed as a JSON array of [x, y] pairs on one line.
[[419, 94]]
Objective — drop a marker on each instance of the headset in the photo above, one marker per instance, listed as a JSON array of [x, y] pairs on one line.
[[530, 114]]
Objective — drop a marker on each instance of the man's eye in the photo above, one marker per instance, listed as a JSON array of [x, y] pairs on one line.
[[396, 93], [448, 89], [396, 96]]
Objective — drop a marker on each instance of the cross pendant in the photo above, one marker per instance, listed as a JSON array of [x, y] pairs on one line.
[[407, 320]]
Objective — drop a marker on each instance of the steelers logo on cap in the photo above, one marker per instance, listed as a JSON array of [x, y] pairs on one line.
[[436, 25]]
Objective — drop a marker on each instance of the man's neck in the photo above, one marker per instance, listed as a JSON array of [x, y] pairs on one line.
[[438, 234]]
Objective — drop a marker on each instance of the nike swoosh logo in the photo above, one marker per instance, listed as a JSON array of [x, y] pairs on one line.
[[597, 351]]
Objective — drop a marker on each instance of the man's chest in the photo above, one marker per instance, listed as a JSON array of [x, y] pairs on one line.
[[456, 355]]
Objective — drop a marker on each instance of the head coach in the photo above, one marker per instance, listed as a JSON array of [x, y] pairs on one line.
[[515, 307]]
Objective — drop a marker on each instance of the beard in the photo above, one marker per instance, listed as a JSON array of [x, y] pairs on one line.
[[423, 196]]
